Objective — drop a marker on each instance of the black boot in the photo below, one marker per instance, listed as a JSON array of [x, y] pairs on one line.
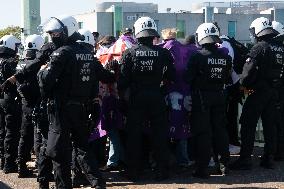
[[2, 163], [221, 169], [9, 167], [241, 164], [201, 173], [78, 179], [267, 162], [43, 185], [23, 170], [98, 184]]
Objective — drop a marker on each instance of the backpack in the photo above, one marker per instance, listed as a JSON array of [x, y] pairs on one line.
[[240, 54]]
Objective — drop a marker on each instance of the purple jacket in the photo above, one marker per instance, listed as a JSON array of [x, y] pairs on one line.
[[111, 116], [178, 97], [97, 133]]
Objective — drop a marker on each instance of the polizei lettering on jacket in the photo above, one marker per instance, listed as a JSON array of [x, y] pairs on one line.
[[147, 53], [216, 61], [276, 48], [84, 57]]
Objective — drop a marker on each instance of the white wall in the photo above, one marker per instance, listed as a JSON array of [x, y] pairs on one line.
[[89, 21]]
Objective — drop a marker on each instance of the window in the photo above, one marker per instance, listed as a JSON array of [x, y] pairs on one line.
[[80, 25], [232, 27], [181, 29]]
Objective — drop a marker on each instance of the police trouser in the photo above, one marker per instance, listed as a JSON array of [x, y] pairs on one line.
[[12, 114], [259, 104], [209, 127], [70, 119], [2, 132], [40, 122], [44, 162], [37, 141], [280, 124], [27, 133], [147, 105], [232, 120]]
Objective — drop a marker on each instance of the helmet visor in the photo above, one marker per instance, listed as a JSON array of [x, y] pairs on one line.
[[210, 39], [52, 25], [147, 33]]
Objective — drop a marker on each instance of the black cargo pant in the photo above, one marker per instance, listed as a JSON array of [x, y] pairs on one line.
[[26, 133], [12, 114], [70, 119], [208, 127], [42, 127], [232, 116], [37, 141], [2, 134], [259, 104], [147, 105], [280, 124]]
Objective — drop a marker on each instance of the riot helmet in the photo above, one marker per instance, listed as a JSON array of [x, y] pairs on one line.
[[9, 44], [207, 33], [32, 44], [61, 29], [88, 39], [261, 27], [145, 27]]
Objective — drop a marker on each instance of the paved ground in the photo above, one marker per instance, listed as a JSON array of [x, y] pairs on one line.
[[258, 178]]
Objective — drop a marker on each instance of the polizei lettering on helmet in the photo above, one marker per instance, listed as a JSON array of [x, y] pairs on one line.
[[218, 61], [147, 53], [84, 57]]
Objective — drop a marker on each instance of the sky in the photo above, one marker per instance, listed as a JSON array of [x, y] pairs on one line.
[[10, 13]]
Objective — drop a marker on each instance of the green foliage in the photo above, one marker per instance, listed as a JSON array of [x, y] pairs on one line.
[[13, 30]]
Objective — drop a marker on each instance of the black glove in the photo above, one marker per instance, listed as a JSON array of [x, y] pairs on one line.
[[93, 110], [6, 86], [123, 106], [235, 93], [112, 66], [45, 51]]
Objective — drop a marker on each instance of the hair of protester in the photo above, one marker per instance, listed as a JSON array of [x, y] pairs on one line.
[[169, 33]]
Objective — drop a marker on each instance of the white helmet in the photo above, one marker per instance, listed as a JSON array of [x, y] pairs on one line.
[[66, 24], [88, 36], [261, 26], [10, 41], [145, 27], [207, 33], [34, 42], [278, 27]]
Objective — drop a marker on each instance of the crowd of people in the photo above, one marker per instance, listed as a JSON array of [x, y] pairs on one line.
[[85, 104]]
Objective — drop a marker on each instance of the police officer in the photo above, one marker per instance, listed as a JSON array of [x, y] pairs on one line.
[[144, 67], [70, 80], [10, 102], [208, 72], [262, 74], [87, 42], [29, 91], [29, 71], [279, 155]]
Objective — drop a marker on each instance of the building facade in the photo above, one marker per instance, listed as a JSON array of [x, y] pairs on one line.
[[109, 19]]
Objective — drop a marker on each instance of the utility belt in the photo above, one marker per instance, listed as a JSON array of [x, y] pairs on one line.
[[10, 97], [199, 91], [77, 101], [51, 106], [276, 83], [135, 88]]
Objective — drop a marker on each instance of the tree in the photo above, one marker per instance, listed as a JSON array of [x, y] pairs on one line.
[[13, 30]]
